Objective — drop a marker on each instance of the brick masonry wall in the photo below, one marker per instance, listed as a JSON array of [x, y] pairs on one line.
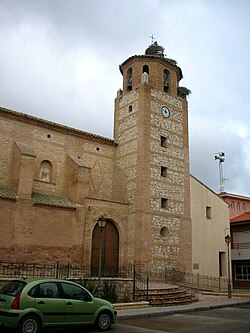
[[42, 233], [120, 179]]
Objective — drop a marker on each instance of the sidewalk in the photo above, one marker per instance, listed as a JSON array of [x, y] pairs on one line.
[[204, 303]]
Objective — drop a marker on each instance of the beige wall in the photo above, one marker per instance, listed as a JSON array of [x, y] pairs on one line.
[[208, 234]]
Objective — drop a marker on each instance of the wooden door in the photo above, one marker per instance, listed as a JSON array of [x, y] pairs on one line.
[[110, 250]]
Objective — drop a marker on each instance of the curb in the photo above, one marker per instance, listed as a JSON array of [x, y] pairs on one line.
[[164, 311]]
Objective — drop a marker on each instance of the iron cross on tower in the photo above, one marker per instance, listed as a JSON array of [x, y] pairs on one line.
[[152, 38]]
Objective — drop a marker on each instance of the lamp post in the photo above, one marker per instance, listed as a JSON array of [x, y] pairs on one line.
[[101, 223], [229, 289]]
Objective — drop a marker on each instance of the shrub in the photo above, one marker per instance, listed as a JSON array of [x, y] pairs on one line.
[[109, 291]]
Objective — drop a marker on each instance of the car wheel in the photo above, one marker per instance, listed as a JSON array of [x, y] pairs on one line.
[[103, 321], [29, 324]]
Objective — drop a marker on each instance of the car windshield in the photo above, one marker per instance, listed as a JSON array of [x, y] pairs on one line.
[[13, 288]]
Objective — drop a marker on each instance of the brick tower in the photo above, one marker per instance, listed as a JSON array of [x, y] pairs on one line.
[[152, 162]]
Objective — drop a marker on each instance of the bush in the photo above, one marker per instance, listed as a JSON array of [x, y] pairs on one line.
[[109, 291]]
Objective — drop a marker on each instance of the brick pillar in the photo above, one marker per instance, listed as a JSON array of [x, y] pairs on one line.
[[23, 164], [77, 180]]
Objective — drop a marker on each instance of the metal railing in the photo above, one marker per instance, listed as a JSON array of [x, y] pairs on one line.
[[140, 278], [191, 280], [238, 246], [59, 270], [140, 285]]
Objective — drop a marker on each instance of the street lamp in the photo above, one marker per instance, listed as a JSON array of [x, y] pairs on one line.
[[101, 223], [229, 289]]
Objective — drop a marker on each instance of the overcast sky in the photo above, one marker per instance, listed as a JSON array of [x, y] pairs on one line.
[[59, 60]]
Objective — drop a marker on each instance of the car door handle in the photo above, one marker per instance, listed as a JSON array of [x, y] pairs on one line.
[[69, 303], [41, 302]]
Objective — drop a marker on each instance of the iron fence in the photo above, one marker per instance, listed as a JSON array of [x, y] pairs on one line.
[[191, 280], [140, 285], [60, 270], [140, 278]]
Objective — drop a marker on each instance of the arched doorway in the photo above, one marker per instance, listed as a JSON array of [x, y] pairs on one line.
[[110, 250]]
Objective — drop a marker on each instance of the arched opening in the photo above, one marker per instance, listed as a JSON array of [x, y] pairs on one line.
[[110, 250], [145, 69], [129, 79], [45, 172], [166, 76]]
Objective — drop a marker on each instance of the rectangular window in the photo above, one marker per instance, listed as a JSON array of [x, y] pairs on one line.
[[164, 142], [208, 212], [164, 203], [242, 270], [195, 266], [164, 171]]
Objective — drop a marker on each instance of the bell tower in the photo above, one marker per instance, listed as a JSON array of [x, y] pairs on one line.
[[152, 162]]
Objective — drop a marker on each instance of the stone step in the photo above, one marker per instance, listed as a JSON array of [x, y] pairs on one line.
[[172, 303], [166, 296], [166, 292]]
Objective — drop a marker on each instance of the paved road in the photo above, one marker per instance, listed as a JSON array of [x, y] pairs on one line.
[[234, 319], [224, 320]]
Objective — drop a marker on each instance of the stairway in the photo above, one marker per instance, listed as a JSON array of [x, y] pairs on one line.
[[160, 294]]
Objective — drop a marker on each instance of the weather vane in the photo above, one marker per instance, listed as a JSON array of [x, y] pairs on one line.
[[152, 38]]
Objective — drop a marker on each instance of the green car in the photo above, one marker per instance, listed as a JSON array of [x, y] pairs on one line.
[[30, 304]]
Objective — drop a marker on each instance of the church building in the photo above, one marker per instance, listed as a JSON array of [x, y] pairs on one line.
[[56, 182]]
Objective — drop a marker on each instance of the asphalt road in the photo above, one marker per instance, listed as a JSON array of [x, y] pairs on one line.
[[224, 320]]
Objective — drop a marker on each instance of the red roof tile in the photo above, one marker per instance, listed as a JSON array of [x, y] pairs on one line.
[[241, 218]]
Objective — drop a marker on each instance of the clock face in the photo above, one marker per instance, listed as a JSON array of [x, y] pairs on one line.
[[165, 112]]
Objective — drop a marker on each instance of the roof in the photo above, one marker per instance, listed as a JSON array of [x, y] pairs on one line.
[[51, 200], [7, 193], [234, 196], [209, 189], [54, 126], [241, 218]]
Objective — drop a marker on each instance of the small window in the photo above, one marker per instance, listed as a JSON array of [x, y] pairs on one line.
[[164, 171], [244, 207], [208, 212], [164, 203], [145, 69], [238, 206], [164, 141], [130, 108], [164, 232], [195, 266], [45, 174], [232, 205]]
